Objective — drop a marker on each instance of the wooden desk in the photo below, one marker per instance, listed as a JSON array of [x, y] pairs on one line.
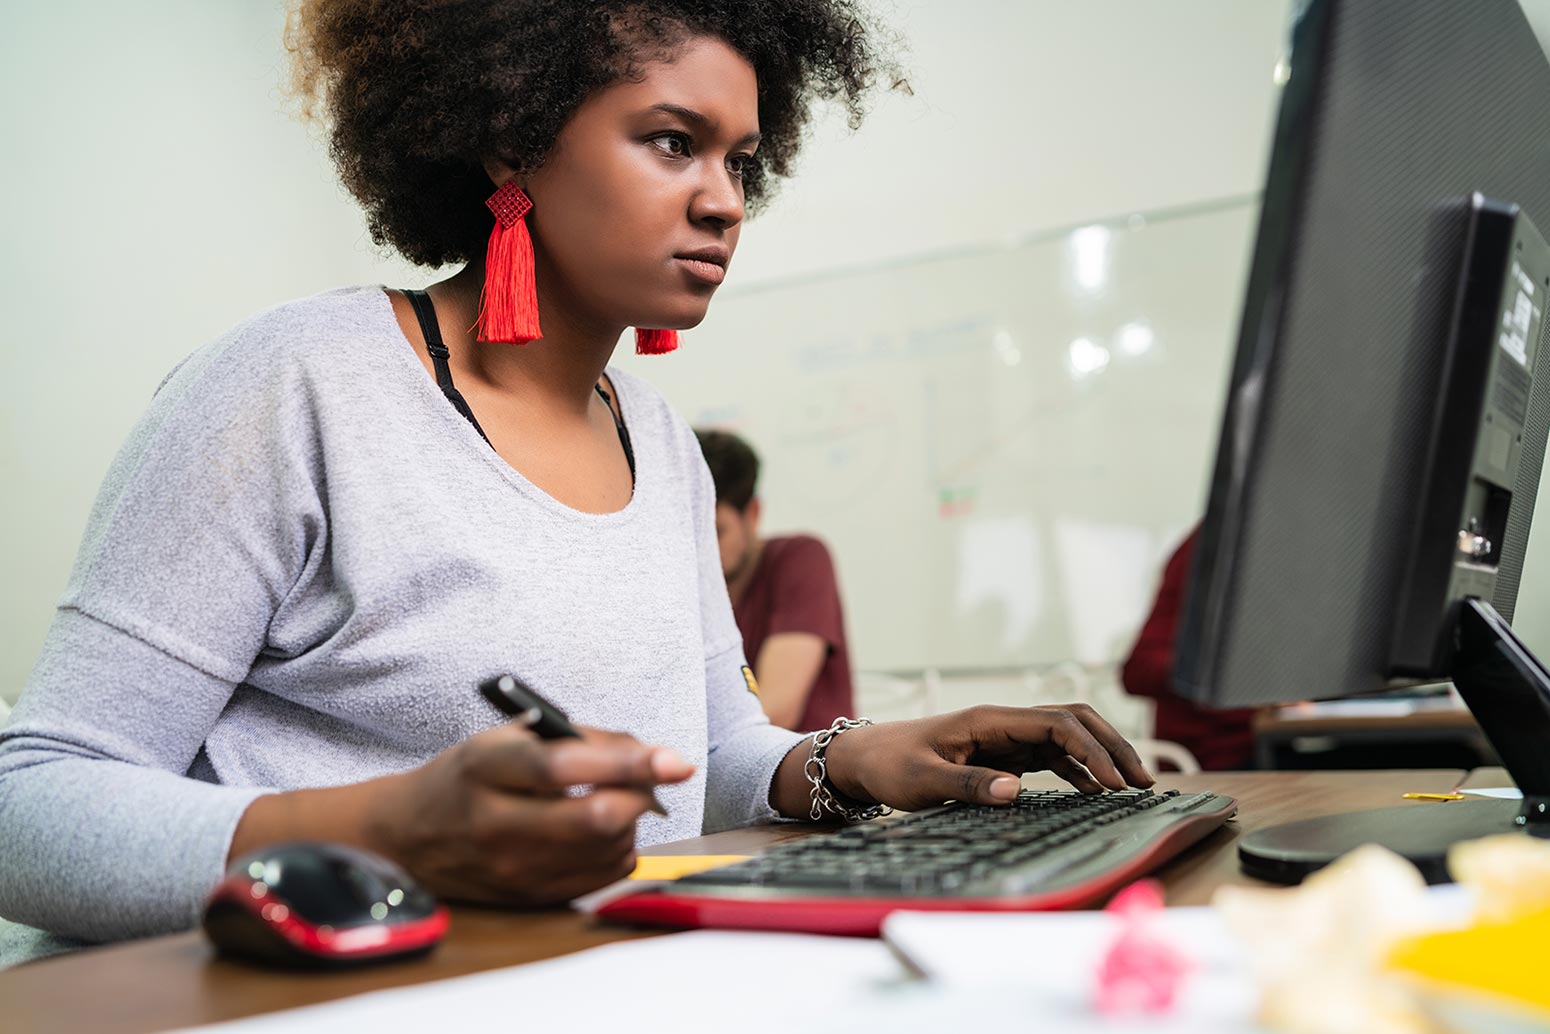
[[1432, 722], [175, 981]]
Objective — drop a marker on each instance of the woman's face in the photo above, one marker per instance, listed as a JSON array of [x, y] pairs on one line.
[[636, 212]]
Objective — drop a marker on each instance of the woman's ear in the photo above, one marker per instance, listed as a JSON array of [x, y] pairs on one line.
[[498, 171]]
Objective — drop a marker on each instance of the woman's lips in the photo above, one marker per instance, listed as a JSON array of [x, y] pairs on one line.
[[700, 269]]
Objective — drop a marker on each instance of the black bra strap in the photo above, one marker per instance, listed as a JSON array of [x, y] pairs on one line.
[[425, 312], [624, 432]]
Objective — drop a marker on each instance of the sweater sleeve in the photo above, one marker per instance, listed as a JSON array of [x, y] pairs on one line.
[[105, 837], [744, 748], [207, 520]]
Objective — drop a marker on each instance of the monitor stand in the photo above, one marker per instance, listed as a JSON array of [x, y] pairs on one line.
[[1508, 691]]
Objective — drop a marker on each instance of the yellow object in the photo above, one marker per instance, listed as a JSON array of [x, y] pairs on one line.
[[1506, 958], [672, 866], [753, 683], [1433, 796]]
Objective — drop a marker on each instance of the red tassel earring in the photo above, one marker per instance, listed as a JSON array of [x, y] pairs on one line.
[[655, 342], [508, 311]]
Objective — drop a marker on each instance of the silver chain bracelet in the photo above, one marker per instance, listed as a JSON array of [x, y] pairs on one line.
[[817, 772]]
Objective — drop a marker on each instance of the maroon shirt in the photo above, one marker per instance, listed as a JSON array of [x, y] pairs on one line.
[[1219, 738], [794, 590]]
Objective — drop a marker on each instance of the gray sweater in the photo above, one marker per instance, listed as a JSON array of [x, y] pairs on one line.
[[299, 567]]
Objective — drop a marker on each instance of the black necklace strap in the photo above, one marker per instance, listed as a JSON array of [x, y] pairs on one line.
[[425, 312]]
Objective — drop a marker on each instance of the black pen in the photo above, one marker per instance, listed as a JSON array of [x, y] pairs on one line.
[[521, 702]]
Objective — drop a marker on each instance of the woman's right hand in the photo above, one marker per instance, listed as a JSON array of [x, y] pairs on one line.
[[490, 819]]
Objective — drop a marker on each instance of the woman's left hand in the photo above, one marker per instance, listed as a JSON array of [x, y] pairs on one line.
[[976, 755]]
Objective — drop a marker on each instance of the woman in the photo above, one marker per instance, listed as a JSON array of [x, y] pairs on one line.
[[329, 528]]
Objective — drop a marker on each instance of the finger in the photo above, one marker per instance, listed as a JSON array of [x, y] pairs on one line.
[[581, 829], [667, 765], [1036, 734], [945, 781], [1125, 756], [510, 758], [578, 762], [1068, 733], [602, 821], [1073, 773], [1047, 731]]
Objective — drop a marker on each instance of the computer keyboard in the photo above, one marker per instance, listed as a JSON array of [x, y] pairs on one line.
[[1049, 849]]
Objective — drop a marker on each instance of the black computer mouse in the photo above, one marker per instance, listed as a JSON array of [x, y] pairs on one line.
[[320, 905]]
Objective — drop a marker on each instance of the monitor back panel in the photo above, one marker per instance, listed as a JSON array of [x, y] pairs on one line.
[[1395, 112]]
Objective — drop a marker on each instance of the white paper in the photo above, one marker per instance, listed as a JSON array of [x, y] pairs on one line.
[[1048, 961], [1041, 966], [1501, 793], [705, 981], [1020, 972]]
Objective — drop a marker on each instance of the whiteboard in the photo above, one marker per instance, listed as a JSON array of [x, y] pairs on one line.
[[1000, 446]]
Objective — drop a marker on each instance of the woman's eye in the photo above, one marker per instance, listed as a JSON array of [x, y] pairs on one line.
[[674, 145], [739, 164]]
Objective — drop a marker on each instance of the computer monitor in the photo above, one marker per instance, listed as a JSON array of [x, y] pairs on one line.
[[1386, 420]]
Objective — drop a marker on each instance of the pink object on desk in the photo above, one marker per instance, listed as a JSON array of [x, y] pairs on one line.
[[1142, 971]]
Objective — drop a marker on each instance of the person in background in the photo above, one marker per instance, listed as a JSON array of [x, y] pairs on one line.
[[784, 595], [1219, 738]]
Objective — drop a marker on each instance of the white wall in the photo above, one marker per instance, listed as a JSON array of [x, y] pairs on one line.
[[1029, 115], [156, 194]]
